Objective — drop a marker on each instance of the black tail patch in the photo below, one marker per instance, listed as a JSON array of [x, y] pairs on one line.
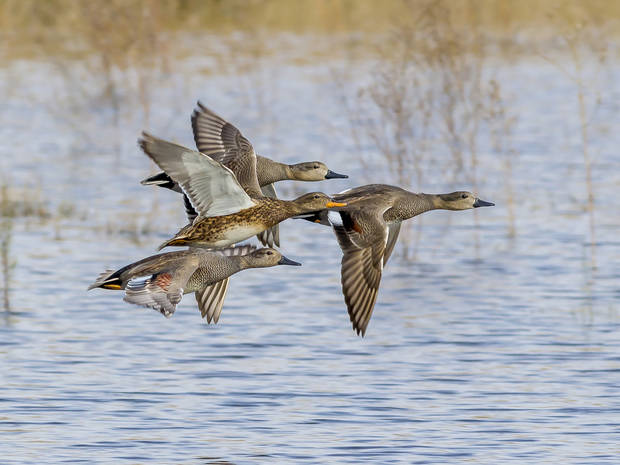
[[160, 179]]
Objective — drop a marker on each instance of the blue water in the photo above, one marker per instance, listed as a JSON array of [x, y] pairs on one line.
[[504, 352]]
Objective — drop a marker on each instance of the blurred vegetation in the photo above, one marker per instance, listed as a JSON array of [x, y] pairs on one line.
[[6, 233], [432, 87], [434, 99], [429, 108], [142, 28]]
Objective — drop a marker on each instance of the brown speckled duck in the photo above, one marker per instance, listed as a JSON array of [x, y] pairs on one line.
[[160, 281], [367, 230], [227, 212], [219, 139]]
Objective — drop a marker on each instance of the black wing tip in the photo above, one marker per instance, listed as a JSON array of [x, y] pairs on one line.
[[359, 328], [159, 179], [112, 281]]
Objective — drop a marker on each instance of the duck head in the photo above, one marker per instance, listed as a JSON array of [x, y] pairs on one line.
[[315, 201], [461, 200], [266, 257], [313, 171]]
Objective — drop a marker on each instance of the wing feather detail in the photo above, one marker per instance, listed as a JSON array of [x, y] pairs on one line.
[[211, 300], [217, 138], [361, 269], [212, 189]]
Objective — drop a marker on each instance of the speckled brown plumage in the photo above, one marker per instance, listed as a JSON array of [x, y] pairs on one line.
[[221, 231]]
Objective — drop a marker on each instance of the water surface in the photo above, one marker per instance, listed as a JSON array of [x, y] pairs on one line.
[[504, 352]]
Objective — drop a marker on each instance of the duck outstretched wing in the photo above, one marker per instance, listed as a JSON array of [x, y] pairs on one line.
[[212, 188], [220, 140]]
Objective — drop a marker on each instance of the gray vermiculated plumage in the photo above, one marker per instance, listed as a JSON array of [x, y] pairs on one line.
[[210, 299], [270, 171], [159, 281]]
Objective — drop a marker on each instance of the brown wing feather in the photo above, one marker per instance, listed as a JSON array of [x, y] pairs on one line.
[[393, 230], [362, 265], [361, 277], [211, 299], [217, 138]]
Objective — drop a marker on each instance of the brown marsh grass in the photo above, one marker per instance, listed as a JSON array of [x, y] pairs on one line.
[[430, 101], [433, 97], [585, 41], [6, 233]]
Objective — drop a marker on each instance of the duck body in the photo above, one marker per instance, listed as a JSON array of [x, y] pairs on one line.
[[395, 203], [160, 281], [223, 231], [367, 230], [197, 268]]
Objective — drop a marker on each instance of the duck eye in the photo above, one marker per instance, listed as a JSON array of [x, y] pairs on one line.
[[463, 196], [269, 252], [316, 196], [316, 167]]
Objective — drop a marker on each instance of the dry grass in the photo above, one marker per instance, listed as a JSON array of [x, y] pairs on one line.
[[433, 93], [6, 233], [429, 106], [22, 202], [501, 121], [586, 43], [134, 27]]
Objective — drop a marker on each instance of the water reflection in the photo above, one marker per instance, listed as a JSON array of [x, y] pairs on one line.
[[214, 461], [508, 354]]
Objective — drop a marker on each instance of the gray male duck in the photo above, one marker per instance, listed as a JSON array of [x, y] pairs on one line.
[[367, 231], [160, 281], [217, 138]]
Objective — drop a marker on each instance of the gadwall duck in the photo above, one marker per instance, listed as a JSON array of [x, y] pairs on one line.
[[227, 212], [218, 138], [367, 230], [160, 281]]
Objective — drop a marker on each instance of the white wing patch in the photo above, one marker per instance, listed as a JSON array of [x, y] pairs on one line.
[[334, 218], [212, 188]]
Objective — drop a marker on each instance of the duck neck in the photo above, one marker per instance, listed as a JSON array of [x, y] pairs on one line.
[[270, 171], [222, 266], [412, 205], [292, 208], [237, 263]]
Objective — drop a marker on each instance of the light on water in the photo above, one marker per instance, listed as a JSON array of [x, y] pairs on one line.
[[495, 340]]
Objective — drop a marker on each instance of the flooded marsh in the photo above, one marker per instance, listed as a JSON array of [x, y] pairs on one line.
[[494, 337]]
